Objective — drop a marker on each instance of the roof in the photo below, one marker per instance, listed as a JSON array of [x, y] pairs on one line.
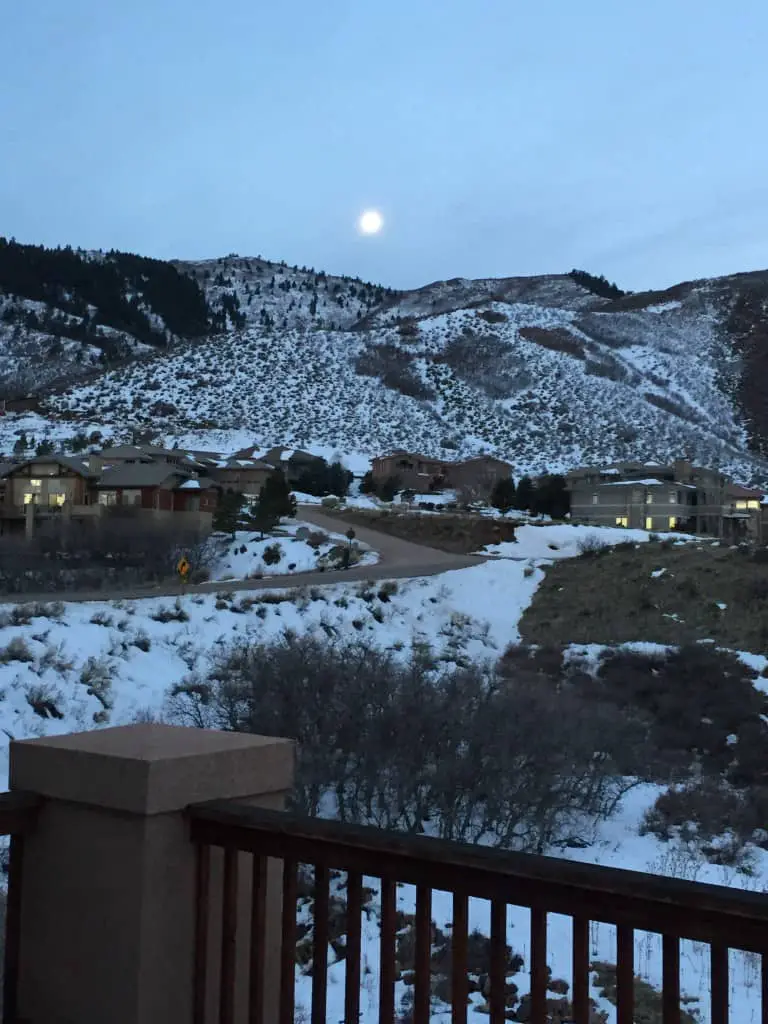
[[190, 485], [648, 482], [239, 463], [737, 491], [67, 461], [140, 474]]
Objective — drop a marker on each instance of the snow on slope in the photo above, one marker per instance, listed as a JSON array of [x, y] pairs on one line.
[[117, 661], [512, 387]]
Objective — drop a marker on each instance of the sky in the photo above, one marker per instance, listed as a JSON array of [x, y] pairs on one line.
[[496, 137]]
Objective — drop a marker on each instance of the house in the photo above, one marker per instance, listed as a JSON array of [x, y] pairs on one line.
[[421, 473], [651, 496], [43, 487], [241, 476], [131, 454], [159, 490], [292, 462], [479, 475], [414, 472]]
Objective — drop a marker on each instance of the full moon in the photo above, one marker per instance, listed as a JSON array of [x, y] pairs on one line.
[[371, 222]]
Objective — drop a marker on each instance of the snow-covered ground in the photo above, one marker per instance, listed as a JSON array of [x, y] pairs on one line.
[[70, 667], [242, 557], [563, 540]]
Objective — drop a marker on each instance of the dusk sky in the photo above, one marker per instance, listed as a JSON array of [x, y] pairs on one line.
[[496, 137]]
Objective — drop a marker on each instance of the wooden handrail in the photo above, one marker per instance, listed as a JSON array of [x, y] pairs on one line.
[[691, 910]]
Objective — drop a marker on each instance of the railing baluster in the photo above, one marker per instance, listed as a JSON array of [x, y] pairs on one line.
[[498, 972], [423, 955], [670, 991], [354, 947], [258, 938], [228, 937], [459, 987], [625, 975], [719, 984], [387, 955], [13, 928], [580, 988], [538, 966], [202, 906], [288, 943], [320, 945]]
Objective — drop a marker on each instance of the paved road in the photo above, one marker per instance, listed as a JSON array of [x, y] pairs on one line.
[[398, 559]]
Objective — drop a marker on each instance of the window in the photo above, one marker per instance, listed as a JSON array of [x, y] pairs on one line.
[[595, 499], [56, 500], [750, 503], [674, 497], [648, 523], [35, 484], [107, 497], [673, 522], [622, 520], [29, 498], [649, 497], [132, 497]]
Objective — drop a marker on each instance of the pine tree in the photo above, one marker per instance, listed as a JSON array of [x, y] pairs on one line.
[[524, 498], [503, 494]]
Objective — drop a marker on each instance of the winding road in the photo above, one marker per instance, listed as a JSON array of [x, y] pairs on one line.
[[398, 559]]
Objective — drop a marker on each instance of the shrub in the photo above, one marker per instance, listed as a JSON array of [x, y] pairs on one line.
[[16, 650], [272, 554], [176, 614], [102, 619], [591, 546], [44, 701]]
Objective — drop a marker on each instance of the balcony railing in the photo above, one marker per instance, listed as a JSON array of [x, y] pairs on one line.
[[721, 917], [18, 812]]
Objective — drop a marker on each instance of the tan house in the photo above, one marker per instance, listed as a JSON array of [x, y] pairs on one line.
[[45, 487], [242, 476], [415, 472], [677, 496], [421, 473]]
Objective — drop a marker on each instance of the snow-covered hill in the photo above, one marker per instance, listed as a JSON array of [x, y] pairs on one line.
[[543, 386], [541, 371]]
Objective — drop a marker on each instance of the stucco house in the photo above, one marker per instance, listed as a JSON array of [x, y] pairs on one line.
[[45, 487], [677, 496], [421, 473]]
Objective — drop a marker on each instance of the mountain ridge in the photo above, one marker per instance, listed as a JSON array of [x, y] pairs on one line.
[[540, 369]]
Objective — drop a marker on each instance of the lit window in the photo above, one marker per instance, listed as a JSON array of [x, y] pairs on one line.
[[29, 499], [622, 520], [35, 484], [648, 498], [672, 522], [56, 500], [673, 497], [753, 504], [648, 523]]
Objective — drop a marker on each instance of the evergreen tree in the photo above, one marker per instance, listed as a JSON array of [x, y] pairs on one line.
[[551, 497], [503, 494], [525, 495], [227, 513], [368, 484]]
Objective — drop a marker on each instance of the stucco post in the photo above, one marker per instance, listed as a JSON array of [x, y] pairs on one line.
[[108, 896]]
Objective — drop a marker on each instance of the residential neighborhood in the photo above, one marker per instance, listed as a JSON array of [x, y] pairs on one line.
[[173, 484]]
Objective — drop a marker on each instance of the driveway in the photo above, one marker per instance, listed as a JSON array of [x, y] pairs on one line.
[[398, 559]]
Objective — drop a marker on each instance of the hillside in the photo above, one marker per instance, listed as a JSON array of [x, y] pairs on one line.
[[548, 371]]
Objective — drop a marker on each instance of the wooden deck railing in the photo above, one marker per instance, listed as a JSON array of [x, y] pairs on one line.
[[721, 917], [18, 812]]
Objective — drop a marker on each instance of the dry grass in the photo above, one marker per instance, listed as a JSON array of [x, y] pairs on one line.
[[457, 534], [612, 597]]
